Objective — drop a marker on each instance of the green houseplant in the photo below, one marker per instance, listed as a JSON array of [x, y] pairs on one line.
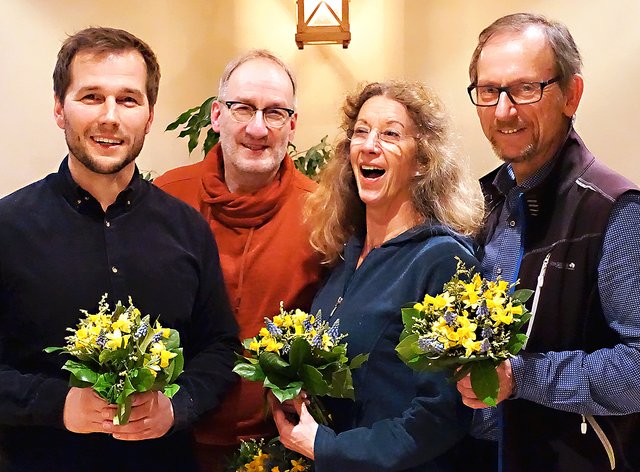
[[195, 120]]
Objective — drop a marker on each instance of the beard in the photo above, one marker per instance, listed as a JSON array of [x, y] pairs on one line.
[[97, 164], [268, 164], [526, 154]]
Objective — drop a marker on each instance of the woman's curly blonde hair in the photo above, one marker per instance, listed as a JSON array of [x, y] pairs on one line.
[[442, 189]]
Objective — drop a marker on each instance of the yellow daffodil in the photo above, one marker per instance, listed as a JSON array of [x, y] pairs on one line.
[[298, 466], [116, 340], [159, 349], [254, 345], [165, 356], [470, 294], [270, 344], [123, 323], [467, 329], [471, 346]]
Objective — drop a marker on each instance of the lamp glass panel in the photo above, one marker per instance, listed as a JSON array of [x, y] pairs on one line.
[[322, 17]]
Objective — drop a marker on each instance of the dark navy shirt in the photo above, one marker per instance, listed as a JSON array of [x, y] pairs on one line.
[[60, 253]]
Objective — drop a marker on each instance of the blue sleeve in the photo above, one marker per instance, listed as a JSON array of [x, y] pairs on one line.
[[606, 381]]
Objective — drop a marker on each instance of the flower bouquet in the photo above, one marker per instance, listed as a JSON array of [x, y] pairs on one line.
[[471, 326], [297, 351], [120, 353], [258, 456]]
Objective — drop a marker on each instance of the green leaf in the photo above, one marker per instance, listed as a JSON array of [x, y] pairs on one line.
[[249, 372], [210, 141], [342, 384], [123, 411], [181, 119], [276, 368], [288, 392], [461, 372], [142, 380], [408, 348], [300, 353], [313, 381], [185, 132], [104, 386], [522, 295], [409, 316], [516, 343], [193, 141], [75, 382], [358, 360], [484, 381], [128, 387], [173, 341], [49, 350], [178, 365], [81, 372], [171, 389]]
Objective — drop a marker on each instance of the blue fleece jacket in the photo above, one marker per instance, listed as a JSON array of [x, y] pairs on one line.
[[401, 420]]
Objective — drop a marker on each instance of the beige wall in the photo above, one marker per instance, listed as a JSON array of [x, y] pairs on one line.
[[429, 40]]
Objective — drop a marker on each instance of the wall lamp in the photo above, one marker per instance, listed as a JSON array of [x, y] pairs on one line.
[[323, 22]]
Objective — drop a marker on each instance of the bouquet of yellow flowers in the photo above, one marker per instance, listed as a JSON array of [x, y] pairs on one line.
[[297, 351], [119, 353], [258, 456], [471, 326]]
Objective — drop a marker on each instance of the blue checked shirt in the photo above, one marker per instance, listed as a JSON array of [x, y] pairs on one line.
[[606, 381]]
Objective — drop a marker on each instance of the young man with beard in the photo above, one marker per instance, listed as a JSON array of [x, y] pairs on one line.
[[252, 196], [564, 225], [97, 227]]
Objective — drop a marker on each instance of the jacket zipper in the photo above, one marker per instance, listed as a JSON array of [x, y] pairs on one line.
[[536, 296], [602, 436], [335, 307]]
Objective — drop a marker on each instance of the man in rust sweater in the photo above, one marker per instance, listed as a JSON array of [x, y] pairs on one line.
[[252, 196]]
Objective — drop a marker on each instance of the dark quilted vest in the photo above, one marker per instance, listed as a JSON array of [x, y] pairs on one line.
[[566, 218]]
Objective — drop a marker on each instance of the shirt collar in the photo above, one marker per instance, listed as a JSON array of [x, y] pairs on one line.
[[83, 201]]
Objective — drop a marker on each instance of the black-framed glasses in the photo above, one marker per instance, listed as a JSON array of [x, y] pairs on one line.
[[521, 93], [274, 117]]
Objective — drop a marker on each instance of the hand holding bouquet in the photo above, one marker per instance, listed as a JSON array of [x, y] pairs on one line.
[[120, 353], [297, 351], [471, 326], [256, 456]]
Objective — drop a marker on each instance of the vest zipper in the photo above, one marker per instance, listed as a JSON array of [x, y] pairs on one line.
[[536, 296], [602, 436]]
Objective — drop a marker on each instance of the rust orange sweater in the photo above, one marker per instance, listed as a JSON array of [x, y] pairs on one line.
[[265, 257]]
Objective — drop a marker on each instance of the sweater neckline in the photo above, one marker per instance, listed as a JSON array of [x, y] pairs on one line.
[[243, 210]]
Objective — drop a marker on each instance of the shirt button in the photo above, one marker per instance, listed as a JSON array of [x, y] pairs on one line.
[[128, 202], [78, 202], [107, 224], [114, 269], [512, 223], [499, 270]]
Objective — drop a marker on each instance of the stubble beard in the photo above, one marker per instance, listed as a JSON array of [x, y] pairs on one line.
[[253, 169], [79, 151], [527, 153]]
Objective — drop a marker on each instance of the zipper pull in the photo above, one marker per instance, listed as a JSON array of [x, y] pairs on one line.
[[583, 425], [338, 302]]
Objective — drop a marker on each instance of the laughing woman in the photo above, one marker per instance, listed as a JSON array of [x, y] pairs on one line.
[[394, 208]]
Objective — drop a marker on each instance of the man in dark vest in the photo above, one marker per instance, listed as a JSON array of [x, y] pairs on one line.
[[564, 225]]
